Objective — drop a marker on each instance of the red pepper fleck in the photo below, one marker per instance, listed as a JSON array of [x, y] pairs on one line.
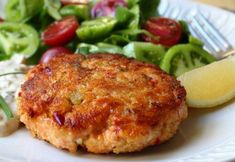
[[19, 94], [1, 20], [158, 141]]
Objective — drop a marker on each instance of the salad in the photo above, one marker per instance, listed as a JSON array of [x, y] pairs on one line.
[[42, 29]]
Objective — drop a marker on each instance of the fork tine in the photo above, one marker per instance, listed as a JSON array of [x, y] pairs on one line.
[[175, 13], [165, 9], [195, 32], [172, 12], [208, 40], [198, 35], [168, 12], [213, 39], [213, 32]]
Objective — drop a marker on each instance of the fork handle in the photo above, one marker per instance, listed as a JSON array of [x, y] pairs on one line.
[[230, 53]]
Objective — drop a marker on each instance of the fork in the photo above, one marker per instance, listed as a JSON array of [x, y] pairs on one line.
[[203, 29]]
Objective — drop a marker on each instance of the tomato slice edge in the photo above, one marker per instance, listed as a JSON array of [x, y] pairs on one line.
[[60, 32]]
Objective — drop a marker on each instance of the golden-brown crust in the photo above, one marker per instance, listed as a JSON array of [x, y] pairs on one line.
[[90, 96]]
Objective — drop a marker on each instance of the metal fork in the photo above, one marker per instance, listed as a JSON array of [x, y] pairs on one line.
[[203, 29]]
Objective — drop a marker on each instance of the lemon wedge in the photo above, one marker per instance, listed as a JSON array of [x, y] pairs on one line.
[[210, 85]]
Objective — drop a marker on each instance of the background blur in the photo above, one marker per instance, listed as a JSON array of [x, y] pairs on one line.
[[226, 4]]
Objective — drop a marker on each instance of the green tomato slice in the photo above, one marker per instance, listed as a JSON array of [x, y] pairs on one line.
[[22, 10], [18, 38], [82, 12], [15, 10], [93, 30], [183, 58], [144, 51]]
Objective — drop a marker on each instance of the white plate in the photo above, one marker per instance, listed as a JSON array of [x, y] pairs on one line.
[[206, 136]]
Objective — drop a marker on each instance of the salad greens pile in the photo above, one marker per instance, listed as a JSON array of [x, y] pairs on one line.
[[26, 20]]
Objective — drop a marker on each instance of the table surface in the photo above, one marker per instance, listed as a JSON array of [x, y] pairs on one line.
[[226, 4]]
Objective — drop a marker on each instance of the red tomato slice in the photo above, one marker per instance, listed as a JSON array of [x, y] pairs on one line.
[[60, 32], [68, 2], [54, 52], [169, 31]]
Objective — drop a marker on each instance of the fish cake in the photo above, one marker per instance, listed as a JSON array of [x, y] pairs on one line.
[[101, 102]]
